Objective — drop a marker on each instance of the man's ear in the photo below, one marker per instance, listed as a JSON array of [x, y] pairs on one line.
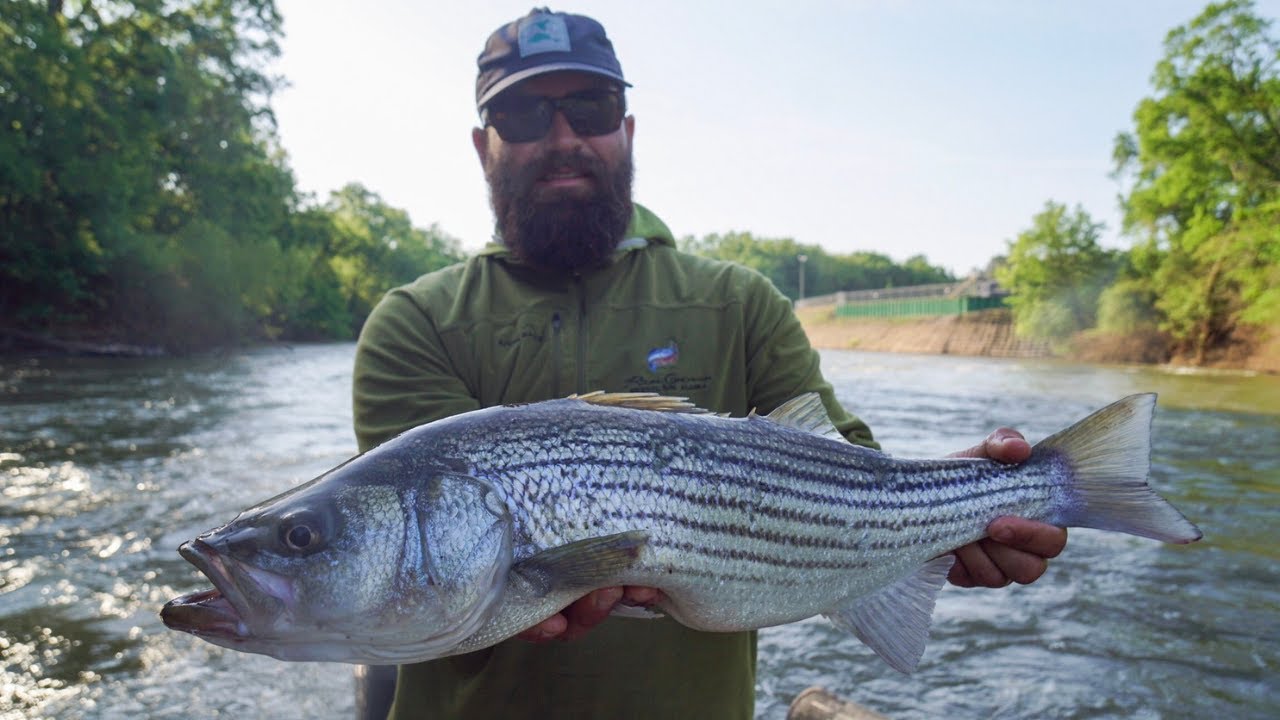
[[480, 140]]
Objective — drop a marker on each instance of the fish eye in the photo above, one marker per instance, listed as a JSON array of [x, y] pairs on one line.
[[299, 537], [301, 532]]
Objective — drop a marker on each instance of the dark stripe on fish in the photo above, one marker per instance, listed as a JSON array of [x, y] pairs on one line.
[[713, 528], [762, 559], [888, 482], [922, 475], [765, 489]]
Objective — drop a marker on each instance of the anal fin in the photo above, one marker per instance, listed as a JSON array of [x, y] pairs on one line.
[[894, 621]]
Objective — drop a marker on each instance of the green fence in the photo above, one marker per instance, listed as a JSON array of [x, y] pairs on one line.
[[903, 307]]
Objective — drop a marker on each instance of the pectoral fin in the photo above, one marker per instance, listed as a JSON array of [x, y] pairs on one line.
[[583, 565], [894, 621]]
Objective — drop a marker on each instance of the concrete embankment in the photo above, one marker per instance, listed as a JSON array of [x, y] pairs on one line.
[[989, 333]]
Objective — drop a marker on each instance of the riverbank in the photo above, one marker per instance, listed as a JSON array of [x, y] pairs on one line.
[[13, 341], [989, 333]]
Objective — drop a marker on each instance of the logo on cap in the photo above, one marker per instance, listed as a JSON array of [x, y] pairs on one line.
[[543, 33]]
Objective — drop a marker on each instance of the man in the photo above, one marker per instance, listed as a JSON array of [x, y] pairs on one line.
[[584, 290]]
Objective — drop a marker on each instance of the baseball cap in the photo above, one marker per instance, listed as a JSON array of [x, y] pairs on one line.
[[541, 42]]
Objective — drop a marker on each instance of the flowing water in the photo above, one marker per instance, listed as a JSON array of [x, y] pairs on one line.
[[107, 465]]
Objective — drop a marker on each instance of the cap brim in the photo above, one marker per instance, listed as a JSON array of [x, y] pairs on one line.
[[527, 73]]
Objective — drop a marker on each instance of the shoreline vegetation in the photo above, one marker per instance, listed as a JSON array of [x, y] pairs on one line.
[[991, 333], [147, 207], [986, 333], [21, 342]]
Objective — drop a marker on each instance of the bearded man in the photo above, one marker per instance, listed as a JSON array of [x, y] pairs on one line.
[[585, 290]]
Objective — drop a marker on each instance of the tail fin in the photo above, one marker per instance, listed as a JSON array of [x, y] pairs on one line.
[[1109, 453]]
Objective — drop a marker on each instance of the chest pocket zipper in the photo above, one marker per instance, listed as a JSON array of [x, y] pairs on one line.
[[557, 351]]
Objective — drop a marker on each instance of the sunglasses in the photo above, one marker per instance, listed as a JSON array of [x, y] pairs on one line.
[[528, 118]]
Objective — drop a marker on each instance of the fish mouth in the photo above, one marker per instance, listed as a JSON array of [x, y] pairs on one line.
[[214, 613]]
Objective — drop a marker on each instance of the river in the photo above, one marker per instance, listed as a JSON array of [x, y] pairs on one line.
[[107, 465]]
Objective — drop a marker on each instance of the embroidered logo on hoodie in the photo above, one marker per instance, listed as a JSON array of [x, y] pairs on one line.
[[664, 357]]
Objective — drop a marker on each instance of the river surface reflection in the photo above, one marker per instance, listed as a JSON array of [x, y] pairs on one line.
[[106, 466]]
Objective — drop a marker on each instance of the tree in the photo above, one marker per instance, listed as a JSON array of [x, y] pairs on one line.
[[374, 247], [1054, 272], [776, 258], [144, 195], [1204, 163], [779, 260], [140, 183]]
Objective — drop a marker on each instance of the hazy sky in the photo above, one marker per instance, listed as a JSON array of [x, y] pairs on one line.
[[905, 127]]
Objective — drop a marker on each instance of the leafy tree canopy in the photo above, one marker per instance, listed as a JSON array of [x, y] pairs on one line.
[[1055, 271], [779, 259], [144, 195], [1203, 160]]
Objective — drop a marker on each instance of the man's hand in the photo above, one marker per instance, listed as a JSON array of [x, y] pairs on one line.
[[1016, 549], [588, 611]]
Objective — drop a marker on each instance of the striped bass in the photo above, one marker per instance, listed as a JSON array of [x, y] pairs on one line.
[[463, 532]]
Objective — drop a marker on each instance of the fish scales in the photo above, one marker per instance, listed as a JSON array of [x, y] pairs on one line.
[[463, 532], [665, 489], [731, 499]]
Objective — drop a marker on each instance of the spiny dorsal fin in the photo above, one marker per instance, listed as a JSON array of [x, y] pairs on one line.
[[641, 401], [806, 412]]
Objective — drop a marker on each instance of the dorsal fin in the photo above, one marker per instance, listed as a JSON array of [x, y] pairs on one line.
[[641, 401], [806, 412]]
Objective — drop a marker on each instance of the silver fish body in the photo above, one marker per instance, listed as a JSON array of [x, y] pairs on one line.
[[490, 521]]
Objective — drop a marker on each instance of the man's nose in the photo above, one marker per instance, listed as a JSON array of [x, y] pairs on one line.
[[561, 134]]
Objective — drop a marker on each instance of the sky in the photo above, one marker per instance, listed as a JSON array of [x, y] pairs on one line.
[[905, 127]]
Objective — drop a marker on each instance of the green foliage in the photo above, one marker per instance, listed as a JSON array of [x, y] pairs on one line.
[[1204, 162], [1128, 306], [143, 195], [779, 260], [1054, 272], [310, 304], [137, 165], [374, 247], [1257, 238]]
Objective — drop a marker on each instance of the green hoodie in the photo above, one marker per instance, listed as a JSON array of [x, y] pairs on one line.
[[492, 331]]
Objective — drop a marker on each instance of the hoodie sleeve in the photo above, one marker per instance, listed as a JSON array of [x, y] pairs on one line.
[[781, 363], [403, 376]]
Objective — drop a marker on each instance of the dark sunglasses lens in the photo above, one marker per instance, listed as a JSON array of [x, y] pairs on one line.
[[593, 115], [589, 114], [523, 122]]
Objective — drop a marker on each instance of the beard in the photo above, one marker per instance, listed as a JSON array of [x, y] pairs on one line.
[[561, 231]]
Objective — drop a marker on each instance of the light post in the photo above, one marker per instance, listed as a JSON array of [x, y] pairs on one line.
[[802, 259]]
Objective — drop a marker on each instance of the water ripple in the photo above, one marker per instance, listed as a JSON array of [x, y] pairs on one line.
[[107, 465]]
